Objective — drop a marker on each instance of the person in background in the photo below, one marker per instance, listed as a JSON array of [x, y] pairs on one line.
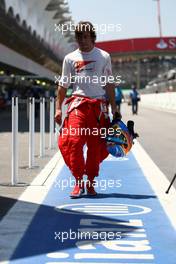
[[135, 98], [118, 97]]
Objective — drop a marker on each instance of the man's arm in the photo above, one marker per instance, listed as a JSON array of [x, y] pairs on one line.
[[64, 83], [110, 88], [61, 93], [110, 91]]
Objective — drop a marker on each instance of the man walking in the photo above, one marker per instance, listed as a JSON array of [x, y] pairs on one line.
[[87, 108], [135, 98], [118, 97]]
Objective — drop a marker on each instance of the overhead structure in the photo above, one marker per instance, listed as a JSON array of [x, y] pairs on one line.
[[40, 17], [29, 29]]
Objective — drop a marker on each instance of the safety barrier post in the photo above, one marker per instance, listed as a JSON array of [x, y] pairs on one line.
[[51, 131], [42, 127], [14, 175], [31, 131]]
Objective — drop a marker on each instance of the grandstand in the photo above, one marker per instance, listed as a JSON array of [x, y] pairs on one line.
[[140, 61]]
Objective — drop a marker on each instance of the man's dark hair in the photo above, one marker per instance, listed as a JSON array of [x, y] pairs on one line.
[[85, 26]]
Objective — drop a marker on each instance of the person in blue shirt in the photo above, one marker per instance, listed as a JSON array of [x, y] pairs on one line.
[[118, 97], [135, 98]]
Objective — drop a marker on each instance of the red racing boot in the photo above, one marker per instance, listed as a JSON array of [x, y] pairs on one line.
[[90, 188], [78, 190]]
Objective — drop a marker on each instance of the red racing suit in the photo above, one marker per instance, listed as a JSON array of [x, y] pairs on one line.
[[90, 115]]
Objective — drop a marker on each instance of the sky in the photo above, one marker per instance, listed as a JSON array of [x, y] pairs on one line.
[[130, 18]]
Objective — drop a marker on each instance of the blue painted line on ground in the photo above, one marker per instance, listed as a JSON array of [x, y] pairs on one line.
[[130, 208]]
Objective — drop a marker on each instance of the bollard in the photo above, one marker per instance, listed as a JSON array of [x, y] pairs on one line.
[[42, 127], [43, 116], [14, 175], [17, 139], [51, 135], [31, 131]]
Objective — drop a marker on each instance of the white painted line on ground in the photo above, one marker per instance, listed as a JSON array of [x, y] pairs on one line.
[[111, 229], [106, 206], [158, 181], [55, 262], [46, 171], [19, 217], [112, 256]]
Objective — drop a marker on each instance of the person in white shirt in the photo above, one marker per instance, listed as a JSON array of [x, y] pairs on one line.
[[88, 70]]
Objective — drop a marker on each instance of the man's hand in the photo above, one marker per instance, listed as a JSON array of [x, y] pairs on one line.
[[117, 116], [58, 116], [110, 90], [61, 93]]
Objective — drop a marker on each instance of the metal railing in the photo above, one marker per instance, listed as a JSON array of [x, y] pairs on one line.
[[15, 141]]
